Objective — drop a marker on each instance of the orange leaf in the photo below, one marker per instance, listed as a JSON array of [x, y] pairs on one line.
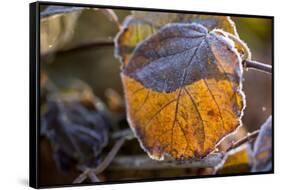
[[183, 91]]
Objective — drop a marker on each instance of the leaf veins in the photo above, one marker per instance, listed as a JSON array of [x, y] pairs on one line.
[[193, 78]]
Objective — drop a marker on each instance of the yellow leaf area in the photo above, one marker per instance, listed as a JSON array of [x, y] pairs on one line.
[[237, 161], [186, 123]]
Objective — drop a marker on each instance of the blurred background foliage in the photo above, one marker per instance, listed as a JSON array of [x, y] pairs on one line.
[[99, 70]]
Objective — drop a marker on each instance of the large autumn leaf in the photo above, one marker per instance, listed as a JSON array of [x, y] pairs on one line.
[[183, 91], [142, 24]]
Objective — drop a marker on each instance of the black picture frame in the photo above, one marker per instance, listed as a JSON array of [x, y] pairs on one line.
[[34, 93]]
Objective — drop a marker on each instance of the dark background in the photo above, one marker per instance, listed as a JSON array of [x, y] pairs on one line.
[[98, 67]]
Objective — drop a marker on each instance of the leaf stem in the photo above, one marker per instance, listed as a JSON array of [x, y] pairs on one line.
[[92, 172], [258, 66]]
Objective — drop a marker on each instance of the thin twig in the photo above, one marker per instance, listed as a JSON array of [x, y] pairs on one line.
[[248, 138], [143, 162], [251, 136], [123, 133], [146, 163], [102, 166], [81, 177], [258, 66], [93, 177]]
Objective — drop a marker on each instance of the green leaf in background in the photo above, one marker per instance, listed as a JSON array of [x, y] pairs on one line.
[[237, 161]]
